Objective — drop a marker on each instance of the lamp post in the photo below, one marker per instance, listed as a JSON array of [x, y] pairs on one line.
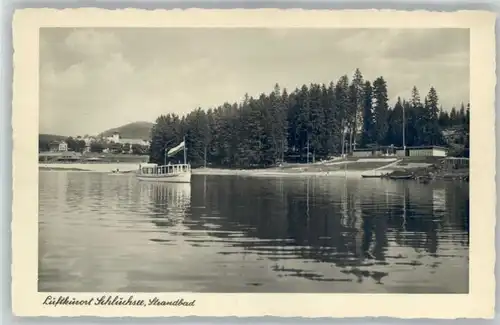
[[404, 131]]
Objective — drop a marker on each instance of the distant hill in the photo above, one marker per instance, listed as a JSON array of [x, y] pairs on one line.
[[136, 130], [47, 138]]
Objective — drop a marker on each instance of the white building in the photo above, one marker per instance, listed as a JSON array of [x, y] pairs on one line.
[[134, 141], [363, 153], [60, 146], [427, 151], [115, 138], [400, 152], [422, 151]]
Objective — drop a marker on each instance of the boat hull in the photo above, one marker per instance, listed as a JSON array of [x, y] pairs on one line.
[[401, 177], [371, 176], [170, 178]]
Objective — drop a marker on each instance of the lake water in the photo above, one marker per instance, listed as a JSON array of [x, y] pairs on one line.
[[101, 232]]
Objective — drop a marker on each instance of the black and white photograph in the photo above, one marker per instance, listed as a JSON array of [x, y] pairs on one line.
[[164, 152], [254, 160]]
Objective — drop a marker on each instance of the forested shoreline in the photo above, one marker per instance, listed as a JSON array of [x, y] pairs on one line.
[[318, 118]]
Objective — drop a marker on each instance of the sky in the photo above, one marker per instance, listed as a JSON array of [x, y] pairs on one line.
[[92, 80]]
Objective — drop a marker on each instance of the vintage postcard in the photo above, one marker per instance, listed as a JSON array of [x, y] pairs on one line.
[[269, 162]]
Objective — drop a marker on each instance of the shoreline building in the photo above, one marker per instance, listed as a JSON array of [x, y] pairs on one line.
[[116, 138], [58, 146], [418, 151]]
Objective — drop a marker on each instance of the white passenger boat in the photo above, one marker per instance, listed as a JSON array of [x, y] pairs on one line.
[[173, 173]]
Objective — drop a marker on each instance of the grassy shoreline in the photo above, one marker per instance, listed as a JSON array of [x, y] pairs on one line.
[[69, 169], [426, 169]]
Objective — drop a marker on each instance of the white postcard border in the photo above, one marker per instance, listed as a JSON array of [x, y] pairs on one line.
[[479, 303]]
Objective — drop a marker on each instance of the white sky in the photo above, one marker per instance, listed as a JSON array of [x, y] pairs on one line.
[[95, 79]]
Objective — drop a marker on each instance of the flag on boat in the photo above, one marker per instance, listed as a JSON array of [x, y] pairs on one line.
[[175, 150]]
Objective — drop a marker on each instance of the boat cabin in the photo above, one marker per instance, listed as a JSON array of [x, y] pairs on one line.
[[154, 169]]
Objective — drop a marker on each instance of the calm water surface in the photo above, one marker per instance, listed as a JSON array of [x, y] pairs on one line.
[[101, 232]]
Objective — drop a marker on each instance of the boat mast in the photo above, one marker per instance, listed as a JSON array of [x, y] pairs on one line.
[[404, 131], [308, 148], [184, 150], [205, 156]]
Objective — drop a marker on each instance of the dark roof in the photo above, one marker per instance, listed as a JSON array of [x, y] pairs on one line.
[[364, 149], [68, 158], [425, 147], [399, 148], [374, 148], [56, 142], [50, 154]]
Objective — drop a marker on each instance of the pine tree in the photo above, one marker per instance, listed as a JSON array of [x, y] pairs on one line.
[[444, 118], [380, 110], [332, 122], [367, 135], [317, 120], [260, 131], [453, 116], [396, 124], [433, 135], [415, 97], [358, 85], [341, 109]]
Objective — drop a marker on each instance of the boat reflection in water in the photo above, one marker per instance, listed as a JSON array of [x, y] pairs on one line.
[[168, 202], [100, 233]]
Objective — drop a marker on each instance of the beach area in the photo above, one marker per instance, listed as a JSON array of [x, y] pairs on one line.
[[350, 167], [89, 167]]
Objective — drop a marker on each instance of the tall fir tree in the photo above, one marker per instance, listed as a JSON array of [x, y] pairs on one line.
[[367, 135], [358, 85], [280, 125], [380, 110], [342, 108], [433, 134]]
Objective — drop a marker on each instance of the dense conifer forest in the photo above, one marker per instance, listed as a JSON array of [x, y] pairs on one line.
[[315, 118]]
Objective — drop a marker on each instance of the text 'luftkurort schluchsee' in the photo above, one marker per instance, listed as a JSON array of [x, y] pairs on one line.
[[115, 301]]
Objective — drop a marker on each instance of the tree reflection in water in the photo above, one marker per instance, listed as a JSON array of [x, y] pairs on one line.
[[362, 227]]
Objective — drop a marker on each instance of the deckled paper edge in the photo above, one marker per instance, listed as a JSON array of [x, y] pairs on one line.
[[479, 303]]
